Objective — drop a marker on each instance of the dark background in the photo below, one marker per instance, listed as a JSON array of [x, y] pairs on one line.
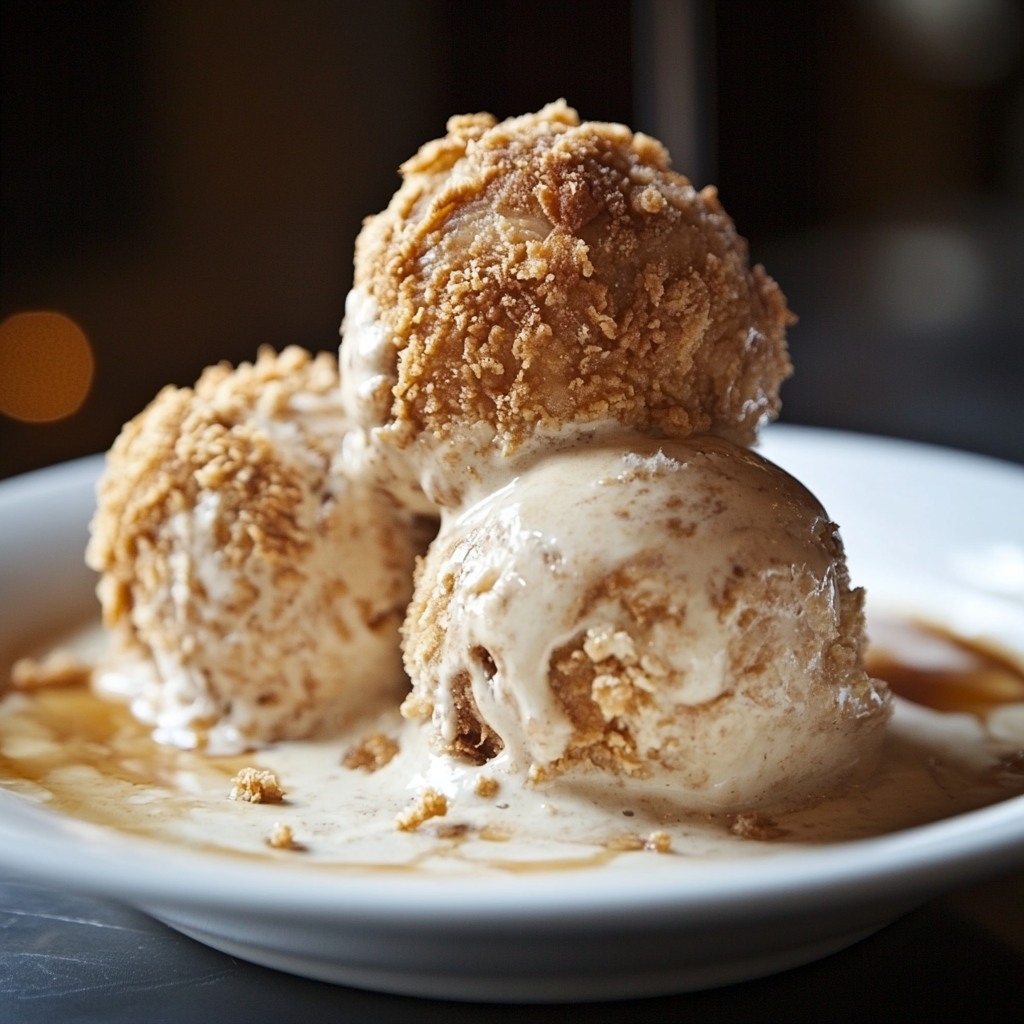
[[185, 179]]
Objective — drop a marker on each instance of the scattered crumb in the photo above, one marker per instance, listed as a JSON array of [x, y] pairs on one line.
[[430, 804], [626, 841], [537, 774], [372, 753], [256, 787], [605, 642], [283, 838], [495, 834], [659, 842], [452, 830], [756, 826], [58, 668], [485, 786]]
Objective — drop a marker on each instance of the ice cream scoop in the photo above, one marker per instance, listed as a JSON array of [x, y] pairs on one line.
[[253, 590], [539, 281], [676, 610]]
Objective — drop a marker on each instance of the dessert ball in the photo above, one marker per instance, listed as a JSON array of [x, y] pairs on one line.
[[541, 279], [678, 609], [255, 592]]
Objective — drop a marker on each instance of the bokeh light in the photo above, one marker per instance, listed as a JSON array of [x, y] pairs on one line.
[[46, 367]]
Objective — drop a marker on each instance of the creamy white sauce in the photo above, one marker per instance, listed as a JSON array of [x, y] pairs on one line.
[[932, 766]]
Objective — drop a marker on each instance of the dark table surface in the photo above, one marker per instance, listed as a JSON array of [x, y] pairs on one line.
[[73, 958]]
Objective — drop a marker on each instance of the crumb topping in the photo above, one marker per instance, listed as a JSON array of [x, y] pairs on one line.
[[431, 804], [283, 838], [190, 440], [659, 842], [486, 786], [371, 753], [58, 668], [256, 786], [541, 271]]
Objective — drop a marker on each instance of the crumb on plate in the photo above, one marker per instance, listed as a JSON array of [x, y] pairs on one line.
[[58, 668], [430, 804], [371, 753], [485, 786], [659, 842], [256, 787], [283, 838]]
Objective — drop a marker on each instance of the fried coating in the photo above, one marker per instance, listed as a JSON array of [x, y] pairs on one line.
[[541, 272], [254, 591], [188, 441]]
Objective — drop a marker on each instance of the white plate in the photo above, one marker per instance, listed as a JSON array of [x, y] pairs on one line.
[[933, 531]]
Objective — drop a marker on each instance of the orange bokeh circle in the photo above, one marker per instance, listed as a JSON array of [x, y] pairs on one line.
[[46, 367]]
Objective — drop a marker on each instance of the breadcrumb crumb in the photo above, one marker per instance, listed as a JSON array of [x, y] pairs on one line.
[[283, 838], [659, 842], [430, 804], [58, 668], [256, 787], [371, 753], [485, 786]]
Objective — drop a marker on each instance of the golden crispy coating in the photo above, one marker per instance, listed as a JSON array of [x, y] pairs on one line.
[[542, 272], [253, 589], [189, 441]]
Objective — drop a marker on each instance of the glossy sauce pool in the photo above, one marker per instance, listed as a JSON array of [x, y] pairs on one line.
[[86, 757]]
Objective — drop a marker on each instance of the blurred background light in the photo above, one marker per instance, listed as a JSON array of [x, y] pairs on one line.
[[962, 42], [928, 277], [46, 367]]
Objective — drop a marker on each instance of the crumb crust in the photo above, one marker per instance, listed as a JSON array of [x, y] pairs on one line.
[[541, 271]]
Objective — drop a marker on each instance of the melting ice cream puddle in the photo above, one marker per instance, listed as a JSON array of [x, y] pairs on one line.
[[87, 757]]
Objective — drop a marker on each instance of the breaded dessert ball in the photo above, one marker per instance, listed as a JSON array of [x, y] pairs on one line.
[[675, 610], [541, 278], [254, 591]]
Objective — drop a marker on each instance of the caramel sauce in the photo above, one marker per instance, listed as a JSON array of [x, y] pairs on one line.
[[931, 666], [87, 757], [69, 727], [74, 726], [80, 755]]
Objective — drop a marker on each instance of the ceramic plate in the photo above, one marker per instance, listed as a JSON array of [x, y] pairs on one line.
[[930, 532]]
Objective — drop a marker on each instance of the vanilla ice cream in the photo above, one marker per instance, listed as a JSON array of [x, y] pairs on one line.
[[676, 608], [540, 281], [254, 591]]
